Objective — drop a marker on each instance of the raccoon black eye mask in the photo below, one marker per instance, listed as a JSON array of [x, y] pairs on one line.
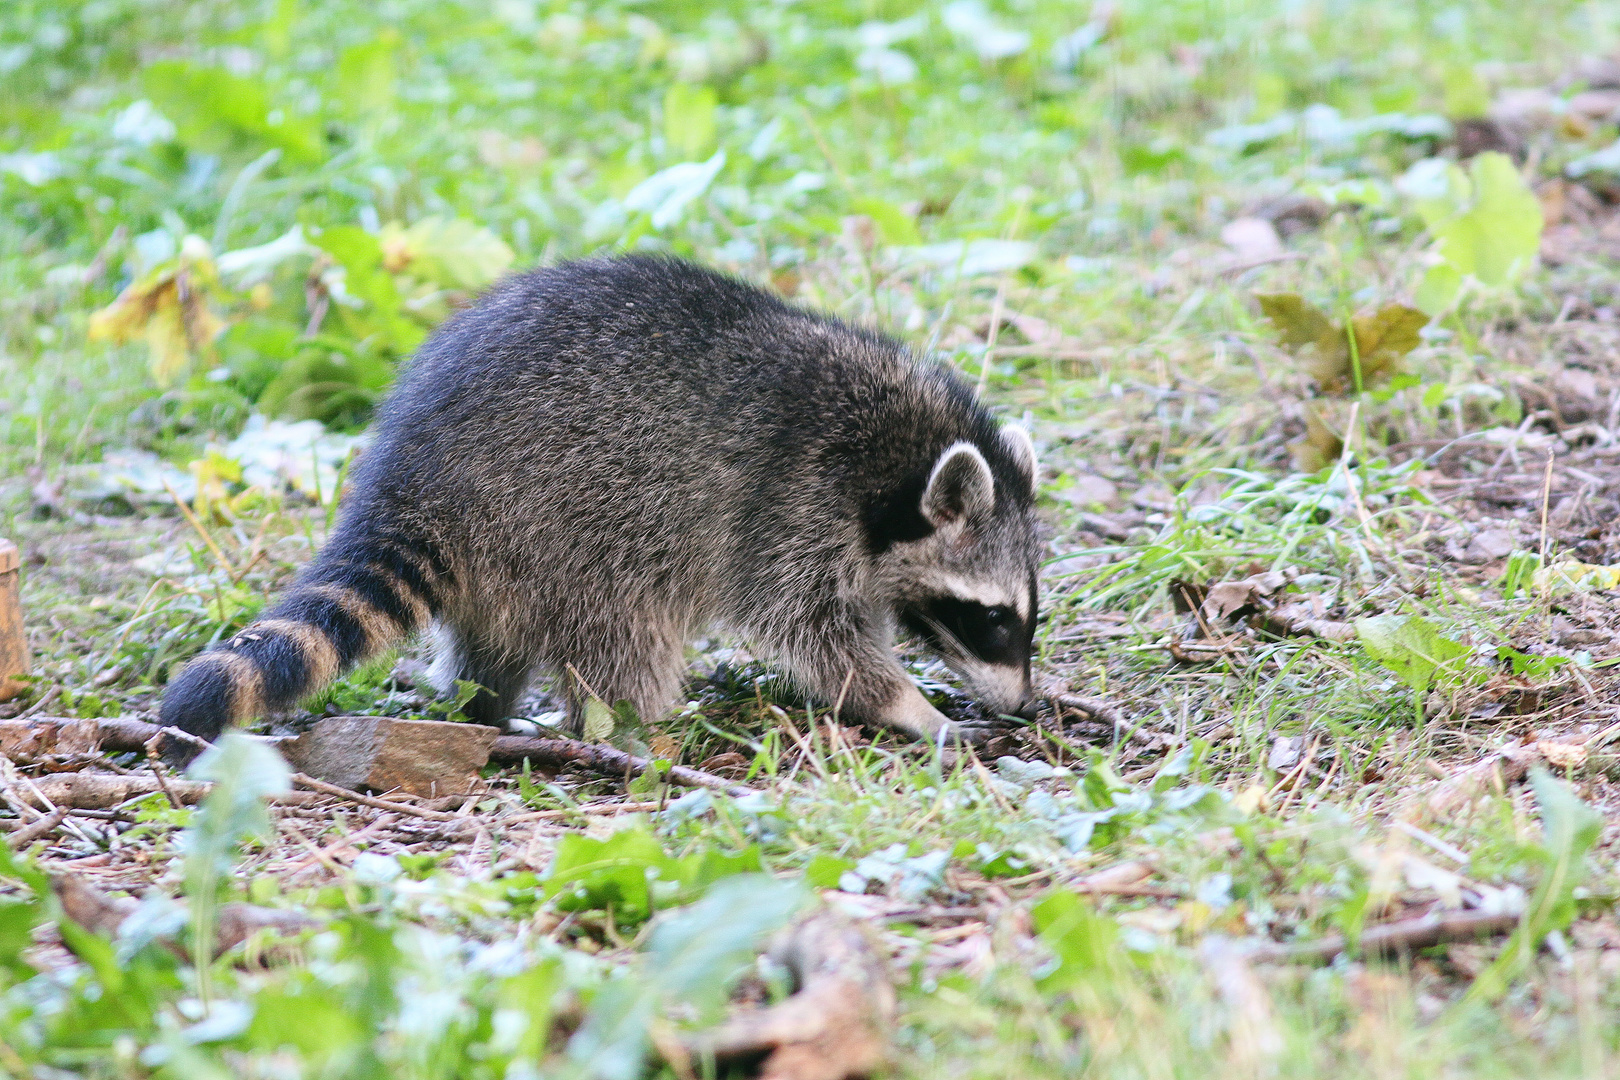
[[600, 461]]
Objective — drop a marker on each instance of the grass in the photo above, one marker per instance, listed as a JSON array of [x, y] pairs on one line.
[[1037, 194]]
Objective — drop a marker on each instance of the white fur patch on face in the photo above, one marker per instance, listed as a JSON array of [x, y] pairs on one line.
[[988, 593]]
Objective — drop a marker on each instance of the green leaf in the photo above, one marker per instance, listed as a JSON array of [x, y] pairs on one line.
[[1488, 226], [311, 1019], [1083, 940], [214, 109], [453, 253], [690, 124], [825, 870], [1412, 648], [693, 958], [1569, 828], [894, 225], [1535, 667], [1466, 94], [366, 75], [244, 771], [1438, 290], [1436, 395]]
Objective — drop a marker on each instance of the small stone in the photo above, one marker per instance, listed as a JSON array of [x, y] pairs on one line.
[[1490, 545], [421, 757], [1089, 490], [1284, 754], [1252, 239]]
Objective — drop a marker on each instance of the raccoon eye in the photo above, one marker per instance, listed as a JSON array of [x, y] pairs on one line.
[[996, 616]]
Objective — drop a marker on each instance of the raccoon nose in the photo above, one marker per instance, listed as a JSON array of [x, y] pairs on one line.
[[1027, 709]]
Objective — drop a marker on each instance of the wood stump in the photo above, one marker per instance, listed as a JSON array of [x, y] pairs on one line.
[[14, 658]]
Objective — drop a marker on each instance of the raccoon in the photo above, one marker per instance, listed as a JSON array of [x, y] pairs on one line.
[[600, 461]]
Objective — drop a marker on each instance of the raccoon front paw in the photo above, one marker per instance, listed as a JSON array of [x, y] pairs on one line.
[[967, 733]]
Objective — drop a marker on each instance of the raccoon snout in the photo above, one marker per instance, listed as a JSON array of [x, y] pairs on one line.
[[1002, 692]]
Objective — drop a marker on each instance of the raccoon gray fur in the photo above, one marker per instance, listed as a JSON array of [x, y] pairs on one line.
[[600, 461]]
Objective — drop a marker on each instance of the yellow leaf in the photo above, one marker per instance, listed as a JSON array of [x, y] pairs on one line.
[[1386, 335], [1319, 448], [168, 309], [1298, 323], [166, 337]]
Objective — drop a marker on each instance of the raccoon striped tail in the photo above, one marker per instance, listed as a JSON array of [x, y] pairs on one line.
[[356, 600]]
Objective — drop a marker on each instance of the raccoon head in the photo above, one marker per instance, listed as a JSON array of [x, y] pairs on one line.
[[968, 588]]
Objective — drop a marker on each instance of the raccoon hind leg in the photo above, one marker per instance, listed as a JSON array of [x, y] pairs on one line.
[[501, 674], [642, 664]]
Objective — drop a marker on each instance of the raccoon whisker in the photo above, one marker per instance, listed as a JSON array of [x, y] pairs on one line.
[[949, 644]]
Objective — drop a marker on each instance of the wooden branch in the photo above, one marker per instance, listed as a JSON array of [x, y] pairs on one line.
[[103, 791], [1405, 935], [14, 659], [512, 749], [24, 835], [235, 923], [834, 1027], [366, 800], [125, 733], [1096, 708]]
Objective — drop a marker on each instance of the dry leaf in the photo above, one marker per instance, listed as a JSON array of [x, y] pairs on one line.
[[1562, 755], [1318, 449], [1323, 347], [168, 309]]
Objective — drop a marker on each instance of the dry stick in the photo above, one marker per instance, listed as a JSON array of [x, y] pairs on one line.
[[1096, 708], [26, 835], [50, 695], [235, 923], [581, 811], [98, 791], [157, 773], [996, 312], [1407, 934], [1546, 497], [366, 800], [224, 563], [512, 749]]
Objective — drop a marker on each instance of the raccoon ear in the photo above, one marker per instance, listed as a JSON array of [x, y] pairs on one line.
[[1023, 450], [960, 486]]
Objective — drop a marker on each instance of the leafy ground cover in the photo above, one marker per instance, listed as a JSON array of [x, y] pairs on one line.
[[1312, 309]]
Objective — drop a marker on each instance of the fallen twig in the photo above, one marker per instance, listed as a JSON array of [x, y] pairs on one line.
[[233, 924], [39, 706], [1096, 708], [835, 1027], [512, 749], [366, 800], [27, 834], [101, 791], [1407, 934]]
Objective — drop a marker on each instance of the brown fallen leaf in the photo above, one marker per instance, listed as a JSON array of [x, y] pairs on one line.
[[1562, 755], [834, 1027], [1500, 769]]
